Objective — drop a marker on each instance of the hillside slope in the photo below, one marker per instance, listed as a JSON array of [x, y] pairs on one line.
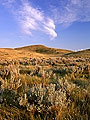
[[44, 50], [83, 53], [7, 53], [39, 51]]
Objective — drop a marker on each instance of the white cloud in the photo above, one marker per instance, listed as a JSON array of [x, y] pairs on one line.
[[31, 18], [49, 27], [65, 12], [72, 11], [7, 2]]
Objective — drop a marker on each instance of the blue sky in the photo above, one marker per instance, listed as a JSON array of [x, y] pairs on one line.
[[54, 23]]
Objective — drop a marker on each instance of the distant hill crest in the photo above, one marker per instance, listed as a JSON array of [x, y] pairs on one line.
[[44, 50]]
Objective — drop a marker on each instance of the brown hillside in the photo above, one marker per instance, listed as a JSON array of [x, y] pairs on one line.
[[83, 53], [44, 50]]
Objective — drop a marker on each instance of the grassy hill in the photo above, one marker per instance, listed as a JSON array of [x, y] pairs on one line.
[[31, 51], [83, 53], [40, 50], [7, 53], [44, 50], [34, 85]]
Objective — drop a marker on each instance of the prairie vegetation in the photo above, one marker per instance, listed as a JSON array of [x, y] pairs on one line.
[[34, 86]]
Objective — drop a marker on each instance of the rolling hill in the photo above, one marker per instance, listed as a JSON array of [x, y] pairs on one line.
[[83, 53], [6, 53], [39, 51], [44, 50]]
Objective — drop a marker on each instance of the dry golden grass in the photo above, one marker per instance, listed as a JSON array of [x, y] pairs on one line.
[[31, 51], [6, 53], [45, 50], [83, 53], [69, 75]]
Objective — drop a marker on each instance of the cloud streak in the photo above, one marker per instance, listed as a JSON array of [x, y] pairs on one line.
[[7, 2], [65, 12], [31, 18], [70, 11]]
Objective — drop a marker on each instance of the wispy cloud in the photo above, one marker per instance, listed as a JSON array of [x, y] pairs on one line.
[[71, 11], [32, 19], [7, 2], [65, 12], [49, 28]]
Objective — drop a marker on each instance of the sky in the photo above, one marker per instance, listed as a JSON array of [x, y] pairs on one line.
[[61, 24]]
